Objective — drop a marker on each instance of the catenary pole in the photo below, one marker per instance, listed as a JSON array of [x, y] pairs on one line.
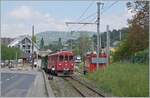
[[98, 32], [108, 44], [32, 46]]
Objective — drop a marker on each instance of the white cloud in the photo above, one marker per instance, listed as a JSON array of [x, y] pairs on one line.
[[22, 12], [24, 17]]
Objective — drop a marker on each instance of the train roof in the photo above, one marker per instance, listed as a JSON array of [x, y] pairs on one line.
[[68, 53]]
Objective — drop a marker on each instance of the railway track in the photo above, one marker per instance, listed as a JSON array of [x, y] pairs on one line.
[[82, 89]]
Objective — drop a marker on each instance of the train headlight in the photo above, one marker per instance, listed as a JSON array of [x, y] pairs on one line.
[[53, 68], [67, 68], [59, 64]]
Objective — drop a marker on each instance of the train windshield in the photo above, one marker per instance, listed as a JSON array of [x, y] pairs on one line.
[[66, 58], [61, 58]]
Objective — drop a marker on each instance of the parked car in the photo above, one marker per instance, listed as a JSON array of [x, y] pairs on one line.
[[77, 59]]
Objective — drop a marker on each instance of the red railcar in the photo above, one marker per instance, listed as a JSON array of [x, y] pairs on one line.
[[62, 62], [91, 61]]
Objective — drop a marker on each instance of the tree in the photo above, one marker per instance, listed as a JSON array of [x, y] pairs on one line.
[[8, 53], [84, 44], [94, 37], [34, 39], [42, 43], [139, 26], [141, 17], [59, 43], [137, 38]]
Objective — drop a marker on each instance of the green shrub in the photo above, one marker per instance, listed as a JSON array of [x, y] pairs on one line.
[[141, 56], [8, 53]]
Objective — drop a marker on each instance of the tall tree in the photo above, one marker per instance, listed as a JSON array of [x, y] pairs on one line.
[[34, 39], [60, 43], [84, 44], [42, 43], [94, 37], [138, 26]]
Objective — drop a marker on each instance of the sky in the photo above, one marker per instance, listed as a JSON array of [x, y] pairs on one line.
[[17, 17]]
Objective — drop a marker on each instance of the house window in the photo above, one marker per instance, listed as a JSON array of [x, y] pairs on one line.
[[29, 46], [29, 51], [18, 46], [23, 46]]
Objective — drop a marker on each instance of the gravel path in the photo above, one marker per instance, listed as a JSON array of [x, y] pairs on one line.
[[62, 88]]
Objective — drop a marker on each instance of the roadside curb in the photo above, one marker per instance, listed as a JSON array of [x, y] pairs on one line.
[[47, 86]]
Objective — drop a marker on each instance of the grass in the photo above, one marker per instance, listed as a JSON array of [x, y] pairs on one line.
[[122, 79]]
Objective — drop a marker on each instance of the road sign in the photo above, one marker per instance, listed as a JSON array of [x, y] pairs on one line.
[[99, 60]]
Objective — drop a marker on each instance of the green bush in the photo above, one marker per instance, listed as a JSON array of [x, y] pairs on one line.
[[141, 56], [122, 52], [8, 53]]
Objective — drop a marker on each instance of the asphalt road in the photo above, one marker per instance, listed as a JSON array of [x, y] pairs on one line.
[[16, 84]]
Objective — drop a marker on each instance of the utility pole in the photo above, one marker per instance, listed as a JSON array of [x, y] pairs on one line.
[[108, 43], [71, 39], [32, 46], [120, 35], [98, 32], [16, 59]]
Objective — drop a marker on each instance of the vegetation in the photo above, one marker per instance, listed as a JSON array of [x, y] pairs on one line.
[[56, 46], [42, 43], [84, 44], [137, 38], [34, 39], [122, 79], [8, 53]]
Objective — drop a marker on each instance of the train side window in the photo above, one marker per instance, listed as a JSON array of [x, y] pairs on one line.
[[66, 58], [60, 58]]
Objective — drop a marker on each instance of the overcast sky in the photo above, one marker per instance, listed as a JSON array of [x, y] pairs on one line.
[[17, 17]]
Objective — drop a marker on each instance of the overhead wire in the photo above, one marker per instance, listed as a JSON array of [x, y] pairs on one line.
[[85, 10], [109, 7], [91, 15]]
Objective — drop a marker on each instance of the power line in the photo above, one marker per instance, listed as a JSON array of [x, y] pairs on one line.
[[86, 10], [91, 15], [109, 7], [85, 24]]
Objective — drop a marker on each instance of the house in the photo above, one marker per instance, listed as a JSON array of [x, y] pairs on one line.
[[24, 43]]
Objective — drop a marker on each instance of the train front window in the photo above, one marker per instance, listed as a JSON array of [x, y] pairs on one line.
[[70, 58], [66, 58], [61, 58]]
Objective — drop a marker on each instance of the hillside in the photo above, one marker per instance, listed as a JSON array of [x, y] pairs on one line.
[[51, 36]]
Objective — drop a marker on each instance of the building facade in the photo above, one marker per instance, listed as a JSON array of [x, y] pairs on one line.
[[24, 43]]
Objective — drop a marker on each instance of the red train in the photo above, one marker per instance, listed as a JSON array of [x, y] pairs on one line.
[[91, 61], [61, 62]]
